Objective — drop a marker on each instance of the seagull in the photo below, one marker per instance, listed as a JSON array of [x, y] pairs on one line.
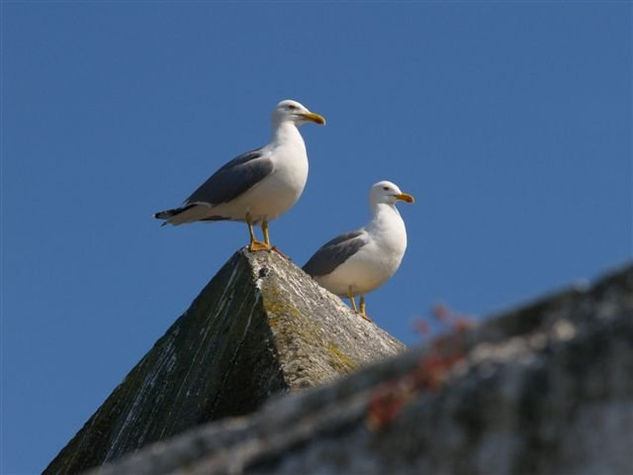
[[257, 186], [358, 262]]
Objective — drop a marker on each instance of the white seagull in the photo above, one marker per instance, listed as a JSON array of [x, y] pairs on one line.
[[360, 261], [257, 186]]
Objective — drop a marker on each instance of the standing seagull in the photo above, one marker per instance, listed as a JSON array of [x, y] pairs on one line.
[[360, 261], [257, 186]]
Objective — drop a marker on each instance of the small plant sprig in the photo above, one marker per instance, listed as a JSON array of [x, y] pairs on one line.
[[387, 400]]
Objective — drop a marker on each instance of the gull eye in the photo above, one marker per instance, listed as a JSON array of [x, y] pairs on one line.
[[386, 188], [292, 107]]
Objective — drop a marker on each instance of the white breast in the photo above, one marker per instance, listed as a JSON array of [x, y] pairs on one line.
[[375, 262]]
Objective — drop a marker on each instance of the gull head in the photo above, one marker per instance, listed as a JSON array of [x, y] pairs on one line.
[[295, 112], [389, 193]]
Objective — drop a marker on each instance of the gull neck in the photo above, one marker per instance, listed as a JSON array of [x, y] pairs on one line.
[[285, 131], [380, 208]]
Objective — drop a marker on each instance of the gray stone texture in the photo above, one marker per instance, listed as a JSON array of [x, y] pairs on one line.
[[545, 389], [260, 327]]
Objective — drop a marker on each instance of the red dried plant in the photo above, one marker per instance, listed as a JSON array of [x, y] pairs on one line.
[[388, 399]]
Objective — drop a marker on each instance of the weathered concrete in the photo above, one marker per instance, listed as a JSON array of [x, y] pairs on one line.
[[544, 389], [260, 327]]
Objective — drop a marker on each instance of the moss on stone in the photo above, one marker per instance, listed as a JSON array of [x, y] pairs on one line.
[[276, 304], [340, 361]]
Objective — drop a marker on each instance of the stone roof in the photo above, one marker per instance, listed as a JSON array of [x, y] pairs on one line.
[[259, 328]]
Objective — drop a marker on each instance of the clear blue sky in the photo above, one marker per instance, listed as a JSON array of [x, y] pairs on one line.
[[511, 124]]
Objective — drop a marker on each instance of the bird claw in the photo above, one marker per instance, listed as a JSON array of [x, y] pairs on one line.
[[364, 315], [256, 246]]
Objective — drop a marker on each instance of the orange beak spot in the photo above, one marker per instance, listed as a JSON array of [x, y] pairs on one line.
[[406, 197]]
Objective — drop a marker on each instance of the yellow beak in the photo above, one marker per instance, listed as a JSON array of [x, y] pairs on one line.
[[312, 117], [406, 197]]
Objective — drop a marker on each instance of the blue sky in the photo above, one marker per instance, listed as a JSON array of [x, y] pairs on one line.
[[509, 122]]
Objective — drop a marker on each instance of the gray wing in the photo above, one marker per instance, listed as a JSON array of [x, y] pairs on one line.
[[233, 179], [333, 253]]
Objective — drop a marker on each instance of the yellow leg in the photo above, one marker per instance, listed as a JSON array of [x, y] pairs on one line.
[[363, 307], [267, 241], [255, 245], [265, 231], [351, 298]]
